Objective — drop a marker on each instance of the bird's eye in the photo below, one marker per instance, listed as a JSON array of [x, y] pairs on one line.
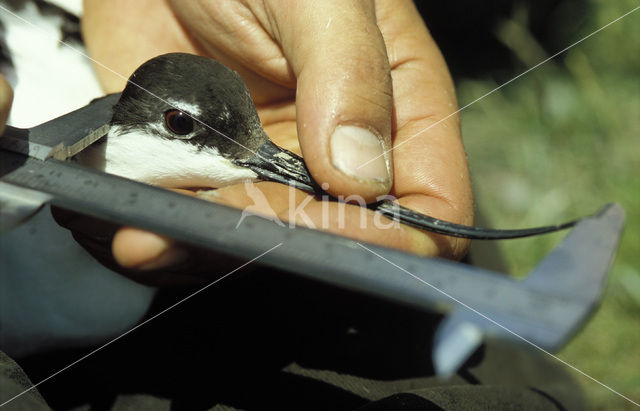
[[178, 122]]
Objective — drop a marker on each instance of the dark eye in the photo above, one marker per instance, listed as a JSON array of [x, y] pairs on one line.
[[178, 122]]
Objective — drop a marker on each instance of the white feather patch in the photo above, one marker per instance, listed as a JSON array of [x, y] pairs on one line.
[[52, 79], [192, 109], [164, 162]]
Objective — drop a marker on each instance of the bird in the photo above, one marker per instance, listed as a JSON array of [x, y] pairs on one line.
[[185, 120]]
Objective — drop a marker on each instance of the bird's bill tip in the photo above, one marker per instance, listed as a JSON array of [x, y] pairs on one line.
[[274, 163]]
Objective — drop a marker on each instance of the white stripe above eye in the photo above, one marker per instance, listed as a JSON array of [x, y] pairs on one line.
[[190, 108]]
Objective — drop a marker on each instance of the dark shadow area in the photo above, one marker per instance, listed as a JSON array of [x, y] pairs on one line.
[[268, 340], [465, 31], [219, 348]]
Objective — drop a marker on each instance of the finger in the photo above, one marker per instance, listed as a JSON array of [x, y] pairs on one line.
[[98, 237], [267, 199], [121, 248], [236, 29], [143, 250], [232, 33], [431, 172], [6, 98], [119, 40], [343, 101], [158, 260], [362, 224], [353, 221], [135, 248]]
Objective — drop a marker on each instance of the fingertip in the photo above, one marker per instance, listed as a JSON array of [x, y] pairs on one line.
[[138, 249], [345, 131], [344, 96], [360, 154], [352, 162]]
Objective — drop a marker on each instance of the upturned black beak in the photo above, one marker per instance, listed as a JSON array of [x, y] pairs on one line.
[[274, 163]]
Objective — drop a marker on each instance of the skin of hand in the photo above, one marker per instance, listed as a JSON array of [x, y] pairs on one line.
[[338, 81], [6, 98]]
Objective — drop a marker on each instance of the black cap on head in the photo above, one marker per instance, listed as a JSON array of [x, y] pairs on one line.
[[214, 95]]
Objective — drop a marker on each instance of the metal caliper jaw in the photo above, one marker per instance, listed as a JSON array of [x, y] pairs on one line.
[[61, 139], [568, 284]]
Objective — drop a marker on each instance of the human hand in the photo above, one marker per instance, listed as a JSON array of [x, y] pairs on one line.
[[310, 68]]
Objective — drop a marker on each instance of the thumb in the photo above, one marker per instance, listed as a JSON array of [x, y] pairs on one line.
[[344, 94]]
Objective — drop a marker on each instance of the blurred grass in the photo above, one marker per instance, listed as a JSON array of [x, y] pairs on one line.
[[559, 143]]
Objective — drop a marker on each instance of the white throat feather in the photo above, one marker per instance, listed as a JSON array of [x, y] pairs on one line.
[[169, 163]]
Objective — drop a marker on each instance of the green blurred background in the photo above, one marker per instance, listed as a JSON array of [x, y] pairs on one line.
[[558, 143]]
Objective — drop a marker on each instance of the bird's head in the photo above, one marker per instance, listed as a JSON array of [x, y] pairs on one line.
[[189, 121]]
